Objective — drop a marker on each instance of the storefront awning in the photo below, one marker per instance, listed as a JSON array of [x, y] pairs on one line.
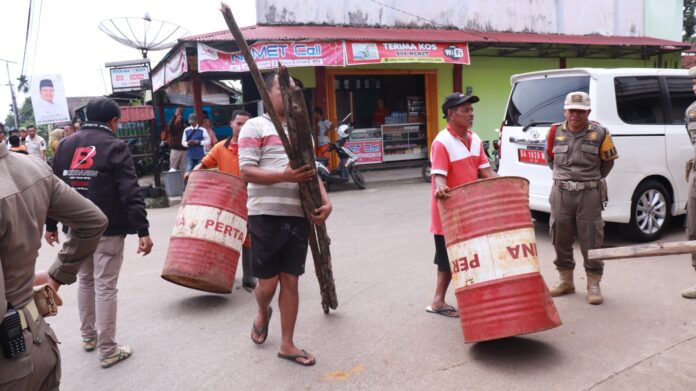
[[333, 53]]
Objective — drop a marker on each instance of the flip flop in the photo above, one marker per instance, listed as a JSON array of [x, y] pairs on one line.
[[294, 358], [448, 311], [263, 330]]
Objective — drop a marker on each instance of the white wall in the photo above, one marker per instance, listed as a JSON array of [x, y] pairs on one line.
[[605, 17]]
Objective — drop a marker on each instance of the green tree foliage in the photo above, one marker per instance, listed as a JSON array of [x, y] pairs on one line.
[[689, 20]]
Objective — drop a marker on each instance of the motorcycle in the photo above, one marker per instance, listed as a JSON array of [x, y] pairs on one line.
[[427, 166], [347, 167]]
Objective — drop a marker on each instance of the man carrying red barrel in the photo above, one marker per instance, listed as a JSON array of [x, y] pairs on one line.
[[225, 157], [457, 158]]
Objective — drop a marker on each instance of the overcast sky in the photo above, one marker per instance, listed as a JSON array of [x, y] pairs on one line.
[[68, 40]]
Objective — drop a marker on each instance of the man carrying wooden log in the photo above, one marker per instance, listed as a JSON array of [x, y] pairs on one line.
[[690, 293], [277, 223], [581, 154]]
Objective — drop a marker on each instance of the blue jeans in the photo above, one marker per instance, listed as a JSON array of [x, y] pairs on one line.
[[191, 163]]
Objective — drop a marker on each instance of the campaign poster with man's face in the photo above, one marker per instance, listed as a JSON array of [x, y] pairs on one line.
[[48, 99]]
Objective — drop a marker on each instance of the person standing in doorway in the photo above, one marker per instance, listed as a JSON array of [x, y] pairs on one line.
[[323, 127], [457, 158]]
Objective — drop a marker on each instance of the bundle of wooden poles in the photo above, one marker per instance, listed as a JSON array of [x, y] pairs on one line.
[[300, 151]]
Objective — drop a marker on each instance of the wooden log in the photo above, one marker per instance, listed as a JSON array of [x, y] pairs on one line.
[[256, 75], [643, 250], [300, 151], [299, 127]]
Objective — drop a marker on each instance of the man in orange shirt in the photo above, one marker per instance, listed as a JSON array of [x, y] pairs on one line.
[[225, 157]]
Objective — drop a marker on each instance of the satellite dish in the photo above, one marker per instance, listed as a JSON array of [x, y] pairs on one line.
[[144, 33]]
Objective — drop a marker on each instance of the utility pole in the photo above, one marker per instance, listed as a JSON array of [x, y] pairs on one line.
[[14, 99]]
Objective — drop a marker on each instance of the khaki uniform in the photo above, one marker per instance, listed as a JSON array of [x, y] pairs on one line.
[[691, 204], [579, 161], [29, 192]]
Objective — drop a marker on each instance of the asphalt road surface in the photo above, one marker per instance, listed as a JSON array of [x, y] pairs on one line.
[[642, 338]]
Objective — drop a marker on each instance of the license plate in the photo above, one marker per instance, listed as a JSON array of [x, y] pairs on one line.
[[531, 156]]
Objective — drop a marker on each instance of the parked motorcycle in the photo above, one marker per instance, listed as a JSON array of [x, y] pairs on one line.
[[347, 167]]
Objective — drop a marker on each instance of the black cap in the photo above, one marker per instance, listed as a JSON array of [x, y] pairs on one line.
[[45, 83], [456, 99]]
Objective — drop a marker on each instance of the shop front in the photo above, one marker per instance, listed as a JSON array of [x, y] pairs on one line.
[[390, 82], [393, 112]]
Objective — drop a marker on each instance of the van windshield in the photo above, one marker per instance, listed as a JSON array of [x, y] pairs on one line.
[[540, 101]]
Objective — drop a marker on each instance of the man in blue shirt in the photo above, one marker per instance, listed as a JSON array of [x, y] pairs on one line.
[[194, 138]]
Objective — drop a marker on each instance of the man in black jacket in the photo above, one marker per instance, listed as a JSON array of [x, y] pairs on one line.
[[100, 167]]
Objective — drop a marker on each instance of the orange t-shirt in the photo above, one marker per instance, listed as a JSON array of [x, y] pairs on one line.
[[226, 159]]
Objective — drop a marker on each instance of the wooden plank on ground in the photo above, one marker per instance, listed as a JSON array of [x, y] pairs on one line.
[[658, 249]]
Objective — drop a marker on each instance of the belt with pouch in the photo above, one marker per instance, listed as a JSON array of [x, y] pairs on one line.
[[576, 186], [33, 311], [44, 303]]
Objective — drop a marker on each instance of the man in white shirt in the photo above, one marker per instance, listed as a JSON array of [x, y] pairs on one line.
[[194, 139], [36, 145]]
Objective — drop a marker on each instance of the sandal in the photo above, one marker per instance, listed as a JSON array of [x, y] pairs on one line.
[[294, 358], [263, 331]]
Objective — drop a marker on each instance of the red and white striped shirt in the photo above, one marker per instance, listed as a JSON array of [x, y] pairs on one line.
[[458, 160]]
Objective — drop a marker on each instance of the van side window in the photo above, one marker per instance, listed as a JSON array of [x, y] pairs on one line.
[[680, 97], [638, 100]]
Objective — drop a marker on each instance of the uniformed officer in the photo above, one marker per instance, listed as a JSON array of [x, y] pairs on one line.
[[580, 153], [28, 193], [690, 293]]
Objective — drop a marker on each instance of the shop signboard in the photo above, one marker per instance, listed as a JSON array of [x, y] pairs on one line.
[[269, 54], [128, 79], [368, 151], [406, 52]]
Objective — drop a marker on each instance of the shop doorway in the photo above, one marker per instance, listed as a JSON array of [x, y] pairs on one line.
[[393, 113]]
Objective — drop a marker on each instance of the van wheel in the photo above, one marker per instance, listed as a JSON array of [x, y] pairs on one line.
[[650, 213]]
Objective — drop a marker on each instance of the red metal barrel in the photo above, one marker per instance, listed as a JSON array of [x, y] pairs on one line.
[[210, 228], [493, 255]]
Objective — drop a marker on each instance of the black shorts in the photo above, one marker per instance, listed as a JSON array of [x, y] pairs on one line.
[[278, 245], [441, 258]]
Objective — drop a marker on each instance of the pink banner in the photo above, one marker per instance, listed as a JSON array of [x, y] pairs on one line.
[[368, 151], [176, 66], [269, 54], [406, 52]]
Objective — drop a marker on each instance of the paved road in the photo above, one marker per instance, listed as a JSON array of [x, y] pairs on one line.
[[642, 338]]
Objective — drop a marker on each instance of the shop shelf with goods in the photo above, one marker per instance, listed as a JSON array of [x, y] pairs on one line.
[[404, 141]]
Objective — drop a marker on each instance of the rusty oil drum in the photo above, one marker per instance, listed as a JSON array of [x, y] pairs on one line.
[[211, 225], [493, 255]]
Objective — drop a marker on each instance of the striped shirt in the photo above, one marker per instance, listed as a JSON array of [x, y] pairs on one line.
[[260, 146], [457, 159]]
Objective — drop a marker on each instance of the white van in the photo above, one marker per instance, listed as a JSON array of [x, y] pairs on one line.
[[644, 111]]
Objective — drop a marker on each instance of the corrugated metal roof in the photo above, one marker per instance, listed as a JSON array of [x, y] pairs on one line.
[[329, 33]]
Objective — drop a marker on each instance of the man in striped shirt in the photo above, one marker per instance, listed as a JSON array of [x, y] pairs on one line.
[[457, 158], [278, 225]]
